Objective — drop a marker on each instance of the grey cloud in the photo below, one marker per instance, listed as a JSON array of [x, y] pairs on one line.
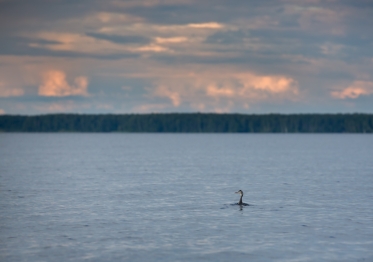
[[249, 59], [164, 14], [176, 13], [21, 46], [19, 15], [198, 11], [228, 37], [12, 45], [119, 39], [293, 42], [47, 9]]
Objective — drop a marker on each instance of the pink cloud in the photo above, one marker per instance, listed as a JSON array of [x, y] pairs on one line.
[[211, 25], [55, 84], [172, 40], [151, 48], [356, 89], [270, 84], [221, 91]]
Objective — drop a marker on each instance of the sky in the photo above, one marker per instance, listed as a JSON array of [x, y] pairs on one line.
[[149, 56]]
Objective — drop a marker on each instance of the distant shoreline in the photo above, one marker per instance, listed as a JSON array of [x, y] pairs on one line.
[[189, 123]]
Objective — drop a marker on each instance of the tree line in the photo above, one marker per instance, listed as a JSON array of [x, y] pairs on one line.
[[190, 123]]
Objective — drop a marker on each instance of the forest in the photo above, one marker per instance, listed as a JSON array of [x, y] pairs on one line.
[[190, 123]]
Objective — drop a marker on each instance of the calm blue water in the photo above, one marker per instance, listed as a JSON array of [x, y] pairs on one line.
[[167, 197]]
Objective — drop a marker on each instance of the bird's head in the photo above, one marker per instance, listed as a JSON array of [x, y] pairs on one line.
[[239, 192]]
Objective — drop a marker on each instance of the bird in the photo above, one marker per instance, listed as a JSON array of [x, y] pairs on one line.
[[241, 203]]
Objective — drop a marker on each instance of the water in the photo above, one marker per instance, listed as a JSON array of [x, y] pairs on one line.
[[167, 197]]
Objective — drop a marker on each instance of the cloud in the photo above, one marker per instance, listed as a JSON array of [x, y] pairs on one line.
[[186, 54], [323, 18], [112, 18], [151, 48], [115, 34], [172, 40], [121, 39], [55, 84], [145, 108], [211, 25], [223, 91], [2, 112], [228, 37], [331, 49], [57, 41], [104, 44], [65, 105], [356, 89], [6, 91], [148, 3]]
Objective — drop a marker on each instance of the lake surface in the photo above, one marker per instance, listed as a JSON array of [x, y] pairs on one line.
[[168, 197]]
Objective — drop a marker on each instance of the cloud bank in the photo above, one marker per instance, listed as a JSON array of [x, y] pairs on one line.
[[186, 55], [222, 91]]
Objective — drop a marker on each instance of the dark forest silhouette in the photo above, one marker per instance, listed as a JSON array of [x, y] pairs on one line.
[[190, 123]]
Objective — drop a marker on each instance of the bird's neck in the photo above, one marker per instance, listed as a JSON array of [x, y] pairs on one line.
[[240, 203]]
